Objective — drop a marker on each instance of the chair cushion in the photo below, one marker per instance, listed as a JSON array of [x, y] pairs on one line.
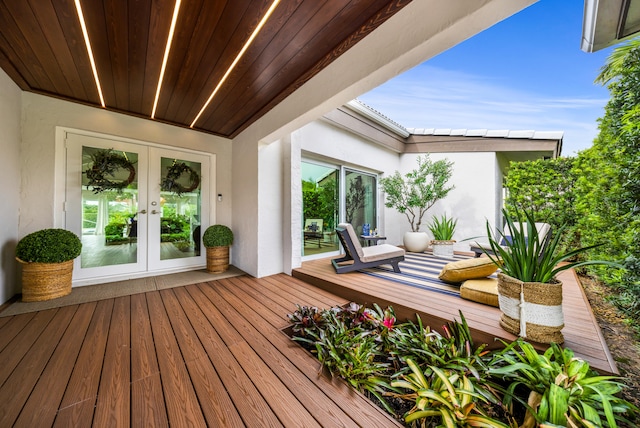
[[381, 252], [457, 272], [483, 290]]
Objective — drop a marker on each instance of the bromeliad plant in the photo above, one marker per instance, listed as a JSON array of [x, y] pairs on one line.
[[565, 391], [445, 396], [445, 380], [523, 256]]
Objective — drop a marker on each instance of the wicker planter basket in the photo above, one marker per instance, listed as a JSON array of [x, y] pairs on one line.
[[442, 248], [217, 259], [45, 281], [531, 310]]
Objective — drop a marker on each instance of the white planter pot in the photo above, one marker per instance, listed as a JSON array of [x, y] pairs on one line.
[[415, 242], [442, 248]]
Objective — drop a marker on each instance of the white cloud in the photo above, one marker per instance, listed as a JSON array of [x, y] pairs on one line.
[[428, 97]]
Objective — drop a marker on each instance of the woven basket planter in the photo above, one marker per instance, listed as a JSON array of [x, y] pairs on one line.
[[531, 310], [45, 281], [217, 259]]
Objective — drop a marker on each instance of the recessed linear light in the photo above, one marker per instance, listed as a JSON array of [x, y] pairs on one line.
[[89, 51], [176, 9], [235, 61]]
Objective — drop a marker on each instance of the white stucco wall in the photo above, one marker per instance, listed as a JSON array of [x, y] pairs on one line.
[[10, 111], [41, 116]]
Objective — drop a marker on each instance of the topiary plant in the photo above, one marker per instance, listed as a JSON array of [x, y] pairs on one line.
[[49, 246], [217, 236]]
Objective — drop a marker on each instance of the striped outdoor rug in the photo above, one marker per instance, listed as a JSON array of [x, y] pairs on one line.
[[419, 270]]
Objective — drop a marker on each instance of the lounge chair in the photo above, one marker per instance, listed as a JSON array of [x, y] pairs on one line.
[[364, 257], [480, 248]]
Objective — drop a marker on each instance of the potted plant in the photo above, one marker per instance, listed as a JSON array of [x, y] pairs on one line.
[[414, 193], [529, 293], [217, 239], [47, 257], [443, 229]]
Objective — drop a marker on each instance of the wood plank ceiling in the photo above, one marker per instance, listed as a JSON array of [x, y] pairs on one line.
[[43, 51]]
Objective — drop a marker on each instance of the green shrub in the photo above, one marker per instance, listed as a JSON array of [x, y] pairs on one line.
[[114, 229], [217, 236], [49, 246]]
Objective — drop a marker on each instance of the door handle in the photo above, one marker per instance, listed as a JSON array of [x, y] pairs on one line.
[[155, 212], [142, 212]]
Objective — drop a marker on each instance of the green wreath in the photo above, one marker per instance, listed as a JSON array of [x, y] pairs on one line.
[[174, 172], [105, 164]]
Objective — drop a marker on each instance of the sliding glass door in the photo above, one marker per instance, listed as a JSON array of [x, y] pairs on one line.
[[360, 200], [331, 194], [320, 206]]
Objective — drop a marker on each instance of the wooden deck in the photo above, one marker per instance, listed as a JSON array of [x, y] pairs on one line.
[[210, 354], [582, 333]]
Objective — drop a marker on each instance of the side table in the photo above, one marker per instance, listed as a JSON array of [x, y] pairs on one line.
[[368, 239]]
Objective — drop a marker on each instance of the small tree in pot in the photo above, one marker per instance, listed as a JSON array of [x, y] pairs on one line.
[[217, 239], [416, 192], [47, 257]]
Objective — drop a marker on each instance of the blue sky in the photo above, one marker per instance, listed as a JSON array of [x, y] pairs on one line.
[[524, 73]]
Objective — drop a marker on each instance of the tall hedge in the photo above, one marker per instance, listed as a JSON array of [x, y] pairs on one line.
[[608, 187], [546, 189]]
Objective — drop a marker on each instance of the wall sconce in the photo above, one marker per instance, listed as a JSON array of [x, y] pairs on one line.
[[219, 197]]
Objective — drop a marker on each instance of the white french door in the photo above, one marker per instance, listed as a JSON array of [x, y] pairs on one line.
[[143, 211]]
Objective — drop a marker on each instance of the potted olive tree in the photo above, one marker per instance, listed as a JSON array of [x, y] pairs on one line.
[[46, 257], [529, 293], [443, 229], [217, 239], [414, 193]]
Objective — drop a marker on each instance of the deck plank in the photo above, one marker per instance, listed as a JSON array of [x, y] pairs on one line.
[[44, 400], [582, 332], [113, 405], [212, 354], [182, 403], [18, 386], [250, 403], [147, 399], [270, 343], [78, 402], [217, 408], [281, 400], [238, 313]]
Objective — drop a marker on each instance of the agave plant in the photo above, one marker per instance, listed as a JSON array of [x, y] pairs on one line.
[[565, 391], [443, 228], [524, 257]]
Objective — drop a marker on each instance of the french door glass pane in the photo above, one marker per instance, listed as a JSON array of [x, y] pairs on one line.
[[320, 202], [180, 208], [360, 200], [109, 224]]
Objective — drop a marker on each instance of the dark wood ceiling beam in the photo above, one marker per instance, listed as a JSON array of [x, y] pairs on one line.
[[20, 43], [240, 29], [268, 54], [95, 20], [157, 32], [12, 65], [71, 32], [42, 49], [138, 29], [187, 70], [297, 61], [116, 19]]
